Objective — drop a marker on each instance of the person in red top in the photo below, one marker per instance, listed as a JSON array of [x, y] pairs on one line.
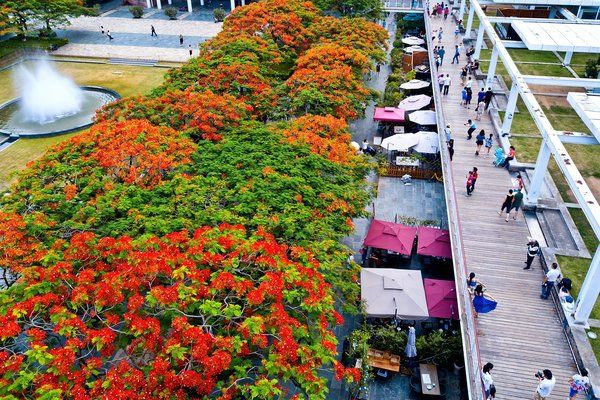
[[469, 183], [475, 176], [509, 157], [446, 12]]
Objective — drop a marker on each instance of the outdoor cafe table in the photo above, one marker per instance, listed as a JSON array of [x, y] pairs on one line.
[[383, 360], [429, 376]]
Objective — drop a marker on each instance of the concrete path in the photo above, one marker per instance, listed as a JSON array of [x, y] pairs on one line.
[[524, 334]]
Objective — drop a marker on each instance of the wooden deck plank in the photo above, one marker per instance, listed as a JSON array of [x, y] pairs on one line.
[[524, 334]]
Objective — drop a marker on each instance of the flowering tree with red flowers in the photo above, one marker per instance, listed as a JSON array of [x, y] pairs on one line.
[[215, 313]]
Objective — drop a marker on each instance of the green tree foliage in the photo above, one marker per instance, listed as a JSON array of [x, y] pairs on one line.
[[371, 9]]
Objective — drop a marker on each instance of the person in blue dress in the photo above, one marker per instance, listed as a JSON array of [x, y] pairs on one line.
[[483, 302]]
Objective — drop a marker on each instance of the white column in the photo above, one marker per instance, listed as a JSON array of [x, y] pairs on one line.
[[202, 3], [189, 4], [148, 4], [567, 59], [243, 3], [461, 10], [510, 109], [541, 165], [492, 68], [232, 5], [479, 42], [170, 2], [158, 4], [469, 22], [589, 291]]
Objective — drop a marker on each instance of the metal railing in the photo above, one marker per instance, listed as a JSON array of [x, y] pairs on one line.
[[468, 328]]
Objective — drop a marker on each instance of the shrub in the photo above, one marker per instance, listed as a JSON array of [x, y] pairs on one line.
[[136, 11], [171, 12], [219, 14], [591, 68]]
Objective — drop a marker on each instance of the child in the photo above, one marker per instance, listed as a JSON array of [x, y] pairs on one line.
[[479, 111], [489, 142]]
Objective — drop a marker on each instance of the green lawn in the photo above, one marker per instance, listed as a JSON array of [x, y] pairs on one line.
[[596, 342], [127, 80], [14, 44], [562, 119]]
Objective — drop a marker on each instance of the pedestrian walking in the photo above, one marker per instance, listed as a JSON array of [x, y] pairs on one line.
[[469, 183], [463, 75], [474, 180], [434, 11], [439, 10], [533, 248], [479, 139], [448, 132], [469, 83], [446, 12], [180, 40], [378, 68], [550, 280], [481, 96], [489, 142], [190, 48], [479, 110], [578, 384], [451, 148], [102, 30], [441, 53], [439, 35], [486, 377], [507, 204], [152, 31], [108, 35], [463, 97], [457, 33], [456, 54], [471, 128], [447, 82], [488, 97], [469, 96], [546, 383], [441, 83], [517, 201]]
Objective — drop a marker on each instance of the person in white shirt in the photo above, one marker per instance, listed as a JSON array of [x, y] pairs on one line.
[[550, 280], [447, 82], [469, 83], [546, 383], [486, 377], [578, 383]]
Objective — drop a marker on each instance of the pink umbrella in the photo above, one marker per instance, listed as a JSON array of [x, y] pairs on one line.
[[433, 242], [441, 298], [389, 114], [391, 236]]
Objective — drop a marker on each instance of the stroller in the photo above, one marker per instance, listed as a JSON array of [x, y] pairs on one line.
[[499, 154]]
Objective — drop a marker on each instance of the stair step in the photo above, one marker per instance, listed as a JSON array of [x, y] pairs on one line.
[[128, 61]]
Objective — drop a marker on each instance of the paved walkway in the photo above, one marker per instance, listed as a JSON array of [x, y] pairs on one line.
[[524, 333], [132, 38]]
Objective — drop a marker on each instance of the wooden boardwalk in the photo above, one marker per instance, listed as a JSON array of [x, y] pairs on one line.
[[524, 333]]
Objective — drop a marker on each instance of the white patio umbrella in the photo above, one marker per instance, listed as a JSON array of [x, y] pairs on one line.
[[414, 49], [422, 117], [411, 348], [413, 41], [429, 143], [355, 145], [415, 102], [414, 84], [400, 142]]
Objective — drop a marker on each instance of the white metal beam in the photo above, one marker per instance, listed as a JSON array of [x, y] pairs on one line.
[[479, 43], [577, 138], [589, 291], [514, 44], [510, 109], [578, 186], [562, 81], [489, 82], [469, 23], [510, 20]]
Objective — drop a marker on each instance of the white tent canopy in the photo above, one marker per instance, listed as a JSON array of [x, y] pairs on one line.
[[581, 38], [414, 84], [413, 41], [391, 292], [426, 117], [415, 102], [429, 143], [414, 49], [400, 142]]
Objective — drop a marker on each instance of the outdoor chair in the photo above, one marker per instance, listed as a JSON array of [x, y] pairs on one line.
[[415, 384]]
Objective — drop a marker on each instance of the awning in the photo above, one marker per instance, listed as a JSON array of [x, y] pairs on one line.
[[393, 292], [416, 102], [414, 84], [400, 142], [389, 114], [413, 41], [429, 143], [441, 298], [433, 242], [421, 117], [391, 236]]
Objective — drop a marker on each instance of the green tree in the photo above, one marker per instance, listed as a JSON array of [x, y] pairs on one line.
[[372, 9], [15, 15], [54, 13]]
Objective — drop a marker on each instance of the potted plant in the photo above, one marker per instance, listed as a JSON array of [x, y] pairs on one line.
[[219, 14], [171, 12], [136, 11]]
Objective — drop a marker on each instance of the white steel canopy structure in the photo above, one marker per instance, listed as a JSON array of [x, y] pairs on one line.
[[580, 38], [588, 108]]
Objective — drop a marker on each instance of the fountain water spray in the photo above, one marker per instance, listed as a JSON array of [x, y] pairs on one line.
[[46, 96]]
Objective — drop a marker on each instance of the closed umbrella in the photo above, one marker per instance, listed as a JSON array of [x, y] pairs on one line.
[[411, 348], [400, 142], [414, 84], [413, 41], [426, 117], [415, 102]]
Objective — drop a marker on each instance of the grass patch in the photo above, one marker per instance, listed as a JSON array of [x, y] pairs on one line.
[[527, 148], [31, 43], [127, 80], [596, 342], [575, 269]]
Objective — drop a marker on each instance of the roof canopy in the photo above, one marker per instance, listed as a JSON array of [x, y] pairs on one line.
[[433, 242], [581, 38], [391, 236], [441, 298], [389, 114], [388, 292], [588, 108]]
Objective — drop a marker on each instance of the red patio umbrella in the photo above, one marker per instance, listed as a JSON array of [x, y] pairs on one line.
[[441, 298], [391, 236], [433, 242]]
